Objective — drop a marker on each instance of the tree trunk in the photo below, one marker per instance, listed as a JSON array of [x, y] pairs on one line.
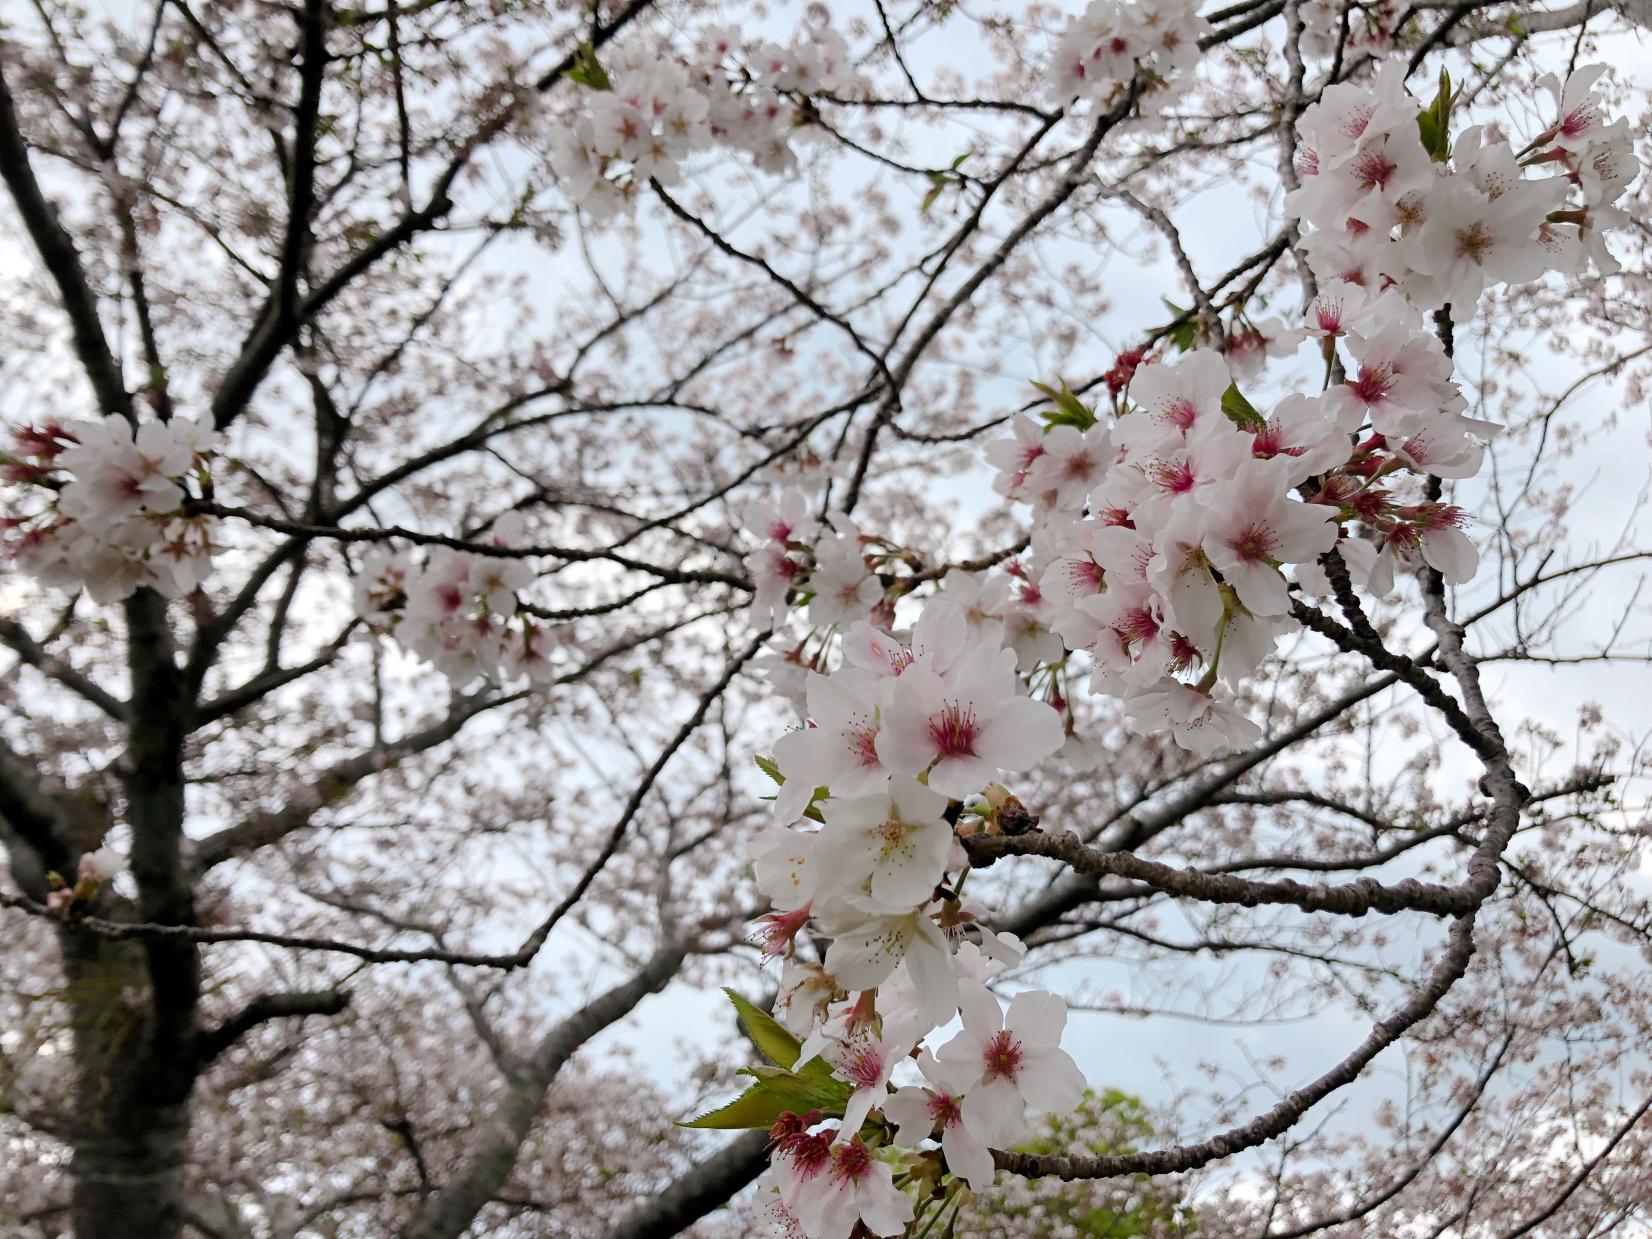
[[129, 1139], [136, 1003]]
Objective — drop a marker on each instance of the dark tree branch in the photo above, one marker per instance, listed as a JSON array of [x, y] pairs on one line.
[[16, 638], [1279, 1118], [295, 1003], [58, 254], [450, 1211], [1348, 899], [32, 817], [703, 1188]]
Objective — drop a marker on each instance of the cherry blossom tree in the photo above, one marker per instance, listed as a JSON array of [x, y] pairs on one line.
[[518, 516]]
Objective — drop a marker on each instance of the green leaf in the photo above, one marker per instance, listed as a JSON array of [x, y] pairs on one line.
[[1182, 330], [831, 1093], [767, 766], [1434, 121], [588, 71], [776, 1044], [777, 1092], [758, 1106], [1241, 412], [1069, 409], [929, 198], [813, 1086]]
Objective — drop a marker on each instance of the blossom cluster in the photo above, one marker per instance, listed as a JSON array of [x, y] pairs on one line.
[[904, 745], [829, 571], [1160, 543], [103, 506], [96, 870], [652, 111], [1391, 201], [1100, 51], [461, 610], [1166, 545]]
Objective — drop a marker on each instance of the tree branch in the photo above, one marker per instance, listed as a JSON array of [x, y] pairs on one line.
[[293, 1003], [704, 1187], [57, 252], [17, 639], [448, 1213]]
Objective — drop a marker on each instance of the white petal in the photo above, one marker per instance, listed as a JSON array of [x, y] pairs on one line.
[[967, 1157], [995, 1115], [1021, 733], [1050, 1080], [908, 1109], [1037, 1017]]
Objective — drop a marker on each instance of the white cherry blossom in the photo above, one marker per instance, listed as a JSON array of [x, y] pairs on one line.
[[890, 847], [1009, 1060], [966, 728]]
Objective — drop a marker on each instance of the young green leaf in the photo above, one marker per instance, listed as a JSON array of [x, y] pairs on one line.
[[1069, 409], [759, 1106], [1181, 330], [1241, 412], [588, 71], [776, 1044], [1434, 121], [776, 1092]]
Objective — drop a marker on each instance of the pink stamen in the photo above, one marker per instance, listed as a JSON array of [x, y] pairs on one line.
[[954, 731], [1003, 1056]]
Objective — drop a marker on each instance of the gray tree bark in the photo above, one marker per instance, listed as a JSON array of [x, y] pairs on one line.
[[136, 1004]]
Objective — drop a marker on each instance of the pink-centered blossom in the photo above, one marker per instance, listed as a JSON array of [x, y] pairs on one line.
[[921, 1113], [1010, 1060], [1254, 526], [886, 850], [854, 1187], [966, 728], [839, 751]]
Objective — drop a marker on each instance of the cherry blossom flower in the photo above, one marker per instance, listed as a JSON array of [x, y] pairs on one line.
[[1011, 1060], [918, 1112], [865, 1062], [1254, 527], [1198, 721], [982, 600], [776, 1215], [1309, 433], [967, 728], [1176, 399], [839, 751], [864, 953], [1251, 345], [844, 588], [856, 1187], [1402, 369], [1014, 457], [891, 846], [1581, 119], [1070, 464], [117, 473], [1432, 533], [104, 506], [101, 865], [784, 862], [1336, 310], [805, 991], [939, 639], [1469, 242]]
